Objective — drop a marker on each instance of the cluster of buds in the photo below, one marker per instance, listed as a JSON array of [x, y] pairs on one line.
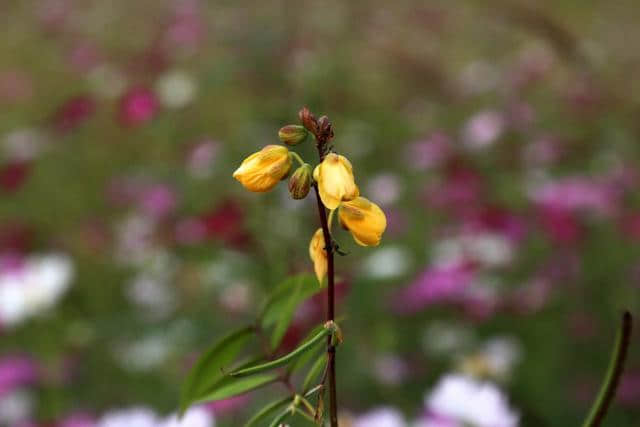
[[333, 179]]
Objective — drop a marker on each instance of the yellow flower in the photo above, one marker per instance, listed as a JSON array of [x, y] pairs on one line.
[[318, 254], [364, 219], [261, 171], [335, 180]]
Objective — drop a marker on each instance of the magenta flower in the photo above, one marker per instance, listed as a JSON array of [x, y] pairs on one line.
[[14, 175], [16, 371], [137, 106], [73, 113]]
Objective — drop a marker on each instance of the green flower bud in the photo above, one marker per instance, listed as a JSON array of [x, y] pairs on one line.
[[293, 134], [300, 182]]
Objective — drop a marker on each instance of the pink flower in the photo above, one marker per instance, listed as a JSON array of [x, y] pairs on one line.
[[201, 157], [577, 193], [231, 404], [430, 152], [158, 201], [84, 57], [16, 371], [137, 106], [483, 129], [435, 285], [459, 191]]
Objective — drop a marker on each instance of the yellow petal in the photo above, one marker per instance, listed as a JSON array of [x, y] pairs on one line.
[[318, 255], [335, 180], [263, 170], [364, 219]]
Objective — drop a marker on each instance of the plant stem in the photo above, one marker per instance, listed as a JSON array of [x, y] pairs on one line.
[[616, 366], [331, 349]]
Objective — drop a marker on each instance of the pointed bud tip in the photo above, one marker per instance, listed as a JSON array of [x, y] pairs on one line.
[[308, 120]]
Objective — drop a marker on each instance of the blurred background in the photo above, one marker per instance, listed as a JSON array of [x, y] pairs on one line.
[[500, 137]]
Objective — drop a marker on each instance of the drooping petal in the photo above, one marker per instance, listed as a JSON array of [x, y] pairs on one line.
[[364, 219], [318, 255]]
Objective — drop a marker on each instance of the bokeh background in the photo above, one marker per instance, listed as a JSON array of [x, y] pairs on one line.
[[501, 138]]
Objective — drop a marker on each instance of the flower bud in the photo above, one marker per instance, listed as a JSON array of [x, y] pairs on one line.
[[292, 134], [308, 120], [263, 170], [300, 182], [325, 130]]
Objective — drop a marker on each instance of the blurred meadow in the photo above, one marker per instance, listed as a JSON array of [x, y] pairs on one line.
[[501, 137]]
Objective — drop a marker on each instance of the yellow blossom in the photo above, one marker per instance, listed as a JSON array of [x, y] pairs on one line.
[[261, 171], [364, 219], [318, 254], [335, 180]]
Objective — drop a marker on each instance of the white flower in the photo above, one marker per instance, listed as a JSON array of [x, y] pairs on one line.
[[145, 417], [384, 188], [34, 287], [176, 89], [386, 262], [380, 417], [487, 248], [194, 417], [15, 407], [463, 399], [131, 417], [23, 144]]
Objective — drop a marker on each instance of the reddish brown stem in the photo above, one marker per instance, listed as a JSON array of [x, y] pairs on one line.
[[322, 140]]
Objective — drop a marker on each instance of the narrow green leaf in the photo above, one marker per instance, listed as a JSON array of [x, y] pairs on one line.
[[280, 418], [267, 411], [286, 315], [230, 386], [313, 373], [305, 358], [208, 368], [284, 359], [281, 297]]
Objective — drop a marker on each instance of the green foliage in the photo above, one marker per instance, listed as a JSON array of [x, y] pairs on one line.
[[230, 386], [209, 368], [214, 377], [266, 412]]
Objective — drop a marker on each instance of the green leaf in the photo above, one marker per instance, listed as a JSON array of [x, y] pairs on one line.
[[313, 373], [231, 386], [208, 369], [267, 411], [287, 297], [308, 345], [281, 417], [305, 358]]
